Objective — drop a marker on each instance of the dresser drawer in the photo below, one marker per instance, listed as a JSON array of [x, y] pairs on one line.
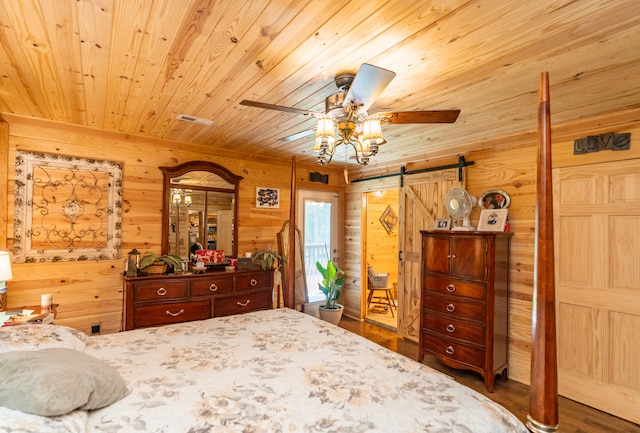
[[455, 306], [450, 326], [454, 287], [251, 301], [161, 314], [253, 280], [156, 290], [211, 286], [449, 349]]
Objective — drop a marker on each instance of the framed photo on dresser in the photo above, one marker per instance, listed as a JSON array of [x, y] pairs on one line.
[[492, 220]]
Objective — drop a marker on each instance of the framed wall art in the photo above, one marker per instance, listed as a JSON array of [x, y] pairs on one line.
[[66, 208], [492, 220], [389, 219], [267, 198]]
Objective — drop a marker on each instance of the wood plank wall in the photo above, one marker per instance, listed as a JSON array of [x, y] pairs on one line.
[[510, 167], [91, 292]]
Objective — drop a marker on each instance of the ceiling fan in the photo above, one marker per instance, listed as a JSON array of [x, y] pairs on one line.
[[346, 112]]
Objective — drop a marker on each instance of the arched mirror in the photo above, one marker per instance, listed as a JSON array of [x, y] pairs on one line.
[[200, 209]]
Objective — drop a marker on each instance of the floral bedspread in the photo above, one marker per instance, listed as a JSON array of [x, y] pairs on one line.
[[280, 371]]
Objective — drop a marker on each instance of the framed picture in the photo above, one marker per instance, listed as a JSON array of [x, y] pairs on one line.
[[442, 224], [492, 220], [268, 198], [388, 219], [494, 199]]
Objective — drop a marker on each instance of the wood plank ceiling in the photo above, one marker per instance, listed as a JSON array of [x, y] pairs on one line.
[[133, 65]]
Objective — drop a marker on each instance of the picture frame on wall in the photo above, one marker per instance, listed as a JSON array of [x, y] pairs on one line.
[[267, 198], [442, 224], [492, 220]]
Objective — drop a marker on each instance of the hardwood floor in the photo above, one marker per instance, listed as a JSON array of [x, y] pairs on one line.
[[574, 417]]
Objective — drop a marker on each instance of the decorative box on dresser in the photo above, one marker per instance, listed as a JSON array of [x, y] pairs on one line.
[[464, 319], [174, 298]]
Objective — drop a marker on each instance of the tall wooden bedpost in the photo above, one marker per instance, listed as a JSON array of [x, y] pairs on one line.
[[289, 294], [543, 396]]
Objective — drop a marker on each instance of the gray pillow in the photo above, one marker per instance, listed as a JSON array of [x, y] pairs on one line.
[[51, 382]]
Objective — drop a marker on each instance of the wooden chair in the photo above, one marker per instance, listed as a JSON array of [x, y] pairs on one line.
[[379, 290]]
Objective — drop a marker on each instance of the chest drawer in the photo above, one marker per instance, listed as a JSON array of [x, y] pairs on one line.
[[450, 326], [162, 314], [160, 290], [454, 306], [252, 301], [455, 287], [211, 286], [445, 348], [253, 280]]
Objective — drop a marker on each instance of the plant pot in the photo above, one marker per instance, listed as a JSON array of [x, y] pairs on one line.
[[331, 315], [156, 268]]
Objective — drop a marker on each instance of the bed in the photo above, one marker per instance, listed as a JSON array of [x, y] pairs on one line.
[[270, 371]]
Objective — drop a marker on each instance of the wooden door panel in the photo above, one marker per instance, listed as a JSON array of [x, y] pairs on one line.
[[438, 255], [421, 202], [470, 259], [597, 236]]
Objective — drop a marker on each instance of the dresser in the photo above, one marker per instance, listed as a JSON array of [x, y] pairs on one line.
[[164, 299], [464, 319]]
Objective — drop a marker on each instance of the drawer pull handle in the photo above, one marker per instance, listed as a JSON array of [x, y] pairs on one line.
[[451, 308], [450, 350], [451, 256], [161, 291], [169, 313], [451, 328], [213, 287], [243, 304], [253, 282], [451, 288]]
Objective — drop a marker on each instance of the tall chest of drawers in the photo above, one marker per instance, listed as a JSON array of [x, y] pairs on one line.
[[164, 299], [464, 319]]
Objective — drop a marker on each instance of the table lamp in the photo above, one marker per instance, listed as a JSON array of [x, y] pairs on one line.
[[5, 275]]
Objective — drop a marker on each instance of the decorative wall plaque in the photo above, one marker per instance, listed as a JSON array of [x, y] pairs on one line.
[[66, 208]]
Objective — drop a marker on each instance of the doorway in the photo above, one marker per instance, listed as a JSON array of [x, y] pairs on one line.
[[380, 233], [318, 222]]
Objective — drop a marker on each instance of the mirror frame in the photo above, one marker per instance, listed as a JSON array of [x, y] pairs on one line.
[[186, 167]]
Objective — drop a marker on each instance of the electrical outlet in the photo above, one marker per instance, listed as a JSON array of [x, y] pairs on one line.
[[95, 328]]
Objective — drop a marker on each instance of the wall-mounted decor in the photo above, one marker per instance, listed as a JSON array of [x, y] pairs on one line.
[[607, 141], [442, 224], [267, 198], [492, 220], [389, 219], [66, 208]]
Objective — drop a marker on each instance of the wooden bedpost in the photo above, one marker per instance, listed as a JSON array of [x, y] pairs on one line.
[[543, 398], [289, 294]]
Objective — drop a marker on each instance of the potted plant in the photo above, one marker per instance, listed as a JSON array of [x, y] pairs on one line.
[[267, 258], [331, 286], [152, 263]]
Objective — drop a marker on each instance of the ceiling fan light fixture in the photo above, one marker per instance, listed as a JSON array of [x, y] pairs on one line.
[[372, 133], [325, 135]]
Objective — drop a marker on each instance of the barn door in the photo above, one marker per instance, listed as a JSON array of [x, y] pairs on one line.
[[421, 202], [597, 238]]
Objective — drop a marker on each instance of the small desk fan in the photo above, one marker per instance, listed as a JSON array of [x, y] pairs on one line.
[[459, 204]]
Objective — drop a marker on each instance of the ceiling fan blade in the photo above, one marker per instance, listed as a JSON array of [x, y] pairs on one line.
[[299, 135], [281, 108], [369, 82], [435, 116]]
